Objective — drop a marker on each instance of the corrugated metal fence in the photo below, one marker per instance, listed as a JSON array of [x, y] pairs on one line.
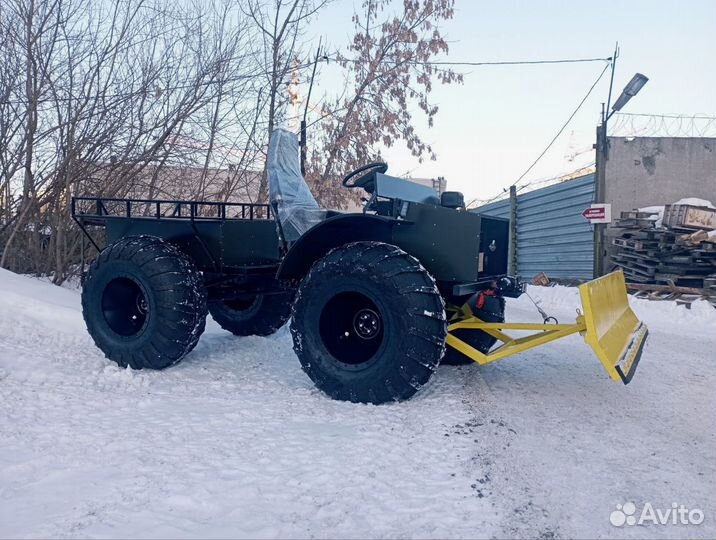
[[552, 235]]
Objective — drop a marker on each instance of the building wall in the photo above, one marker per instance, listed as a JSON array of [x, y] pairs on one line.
[[648, 171], [552, 235]]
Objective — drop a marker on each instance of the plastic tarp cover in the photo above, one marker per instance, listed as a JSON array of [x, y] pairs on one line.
[[295, 207]]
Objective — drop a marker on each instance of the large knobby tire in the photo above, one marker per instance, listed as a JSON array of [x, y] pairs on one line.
[[369, 324], [253, 315], [144, 303], [492, 311]]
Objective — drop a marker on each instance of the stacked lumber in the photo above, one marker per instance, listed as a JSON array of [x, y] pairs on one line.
[[674, 255]]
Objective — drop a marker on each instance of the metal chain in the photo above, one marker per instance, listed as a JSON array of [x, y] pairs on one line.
[[545, 317]]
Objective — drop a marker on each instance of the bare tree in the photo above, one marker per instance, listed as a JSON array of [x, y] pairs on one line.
[[389, 74], [166, 99], [112, 91], [281, 25], [13, 114]]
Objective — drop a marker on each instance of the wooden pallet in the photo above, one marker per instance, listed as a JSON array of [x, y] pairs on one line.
[[681, 295], [662, 257], [636, 214], [634, 218], [693, 281], [689, 217], [628, 223]]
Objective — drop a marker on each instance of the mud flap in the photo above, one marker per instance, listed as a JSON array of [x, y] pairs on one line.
[[612, 329]]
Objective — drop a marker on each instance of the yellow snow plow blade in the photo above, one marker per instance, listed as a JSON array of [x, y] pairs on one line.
[[607, 323], [612, 329]]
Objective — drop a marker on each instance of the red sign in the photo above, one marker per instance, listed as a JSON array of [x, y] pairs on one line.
[[598, 213], [595, 213]]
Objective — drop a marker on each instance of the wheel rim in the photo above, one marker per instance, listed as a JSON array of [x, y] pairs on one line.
[[351, 327], [124, 306]]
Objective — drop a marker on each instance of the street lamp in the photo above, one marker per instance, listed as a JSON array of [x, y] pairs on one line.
[[630, 90]]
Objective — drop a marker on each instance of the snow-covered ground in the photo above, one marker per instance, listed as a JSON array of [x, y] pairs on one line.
[[236, 442]]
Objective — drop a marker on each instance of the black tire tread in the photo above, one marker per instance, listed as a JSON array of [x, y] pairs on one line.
[[415, 294], [181, 302], [274, 312]]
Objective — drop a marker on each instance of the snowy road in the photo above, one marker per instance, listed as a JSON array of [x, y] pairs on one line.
[[236, 442]]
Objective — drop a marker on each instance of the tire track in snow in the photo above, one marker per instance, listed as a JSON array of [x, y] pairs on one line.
[[233, 442], [502, 483]]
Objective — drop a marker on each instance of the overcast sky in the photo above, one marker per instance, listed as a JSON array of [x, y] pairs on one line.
[[492, 127]]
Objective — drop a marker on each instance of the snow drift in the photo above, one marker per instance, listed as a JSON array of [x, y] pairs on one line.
[[236, 442]]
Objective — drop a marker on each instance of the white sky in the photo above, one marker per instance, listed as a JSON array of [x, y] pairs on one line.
[[492, 127]]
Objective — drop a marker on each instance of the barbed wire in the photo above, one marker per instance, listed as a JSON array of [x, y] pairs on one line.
[[663, 125]]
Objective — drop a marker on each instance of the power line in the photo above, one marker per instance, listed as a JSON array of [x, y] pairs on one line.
[[567, 176], [564, 126], [155, 89], [196, 84], [489, 63], [554, 139], [564, 177]]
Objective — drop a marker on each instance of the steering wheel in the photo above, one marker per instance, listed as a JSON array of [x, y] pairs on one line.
[[365, 179]]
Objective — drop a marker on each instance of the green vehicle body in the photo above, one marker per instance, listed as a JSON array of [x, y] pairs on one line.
[[239, 248]]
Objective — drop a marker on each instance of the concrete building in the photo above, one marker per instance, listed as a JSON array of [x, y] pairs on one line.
[[648, 171]]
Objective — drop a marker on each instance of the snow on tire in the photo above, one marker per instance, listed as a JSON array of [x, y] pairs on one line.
[[369, 324], [144, 303]]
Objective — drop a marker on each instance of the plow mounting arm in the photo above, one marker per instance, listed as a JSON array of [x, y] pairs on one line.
[[606, 322]]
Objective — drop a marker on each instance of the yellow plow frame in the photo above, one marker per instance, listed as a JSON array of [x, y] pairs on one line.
[[606, 322]]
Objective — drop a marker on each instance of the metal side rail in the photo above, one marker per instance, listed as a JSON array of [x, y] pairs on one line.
[[606, 322], [94, 210]]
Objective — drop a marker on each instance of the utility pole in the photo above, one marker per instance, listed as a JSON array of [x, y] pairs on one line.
[[600, 162], [599, 192], [632, 88]]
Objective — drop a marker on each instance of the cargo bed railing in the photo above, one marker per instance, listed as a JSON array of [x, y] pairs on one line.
[[94, 210]]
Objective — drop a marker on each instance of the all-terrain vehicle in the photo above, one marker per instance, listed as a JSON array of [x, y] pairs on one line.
[[374, 297]]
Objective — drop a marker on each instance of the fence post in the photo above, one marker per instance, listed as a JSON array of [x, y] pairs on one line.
[[512, 246]]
